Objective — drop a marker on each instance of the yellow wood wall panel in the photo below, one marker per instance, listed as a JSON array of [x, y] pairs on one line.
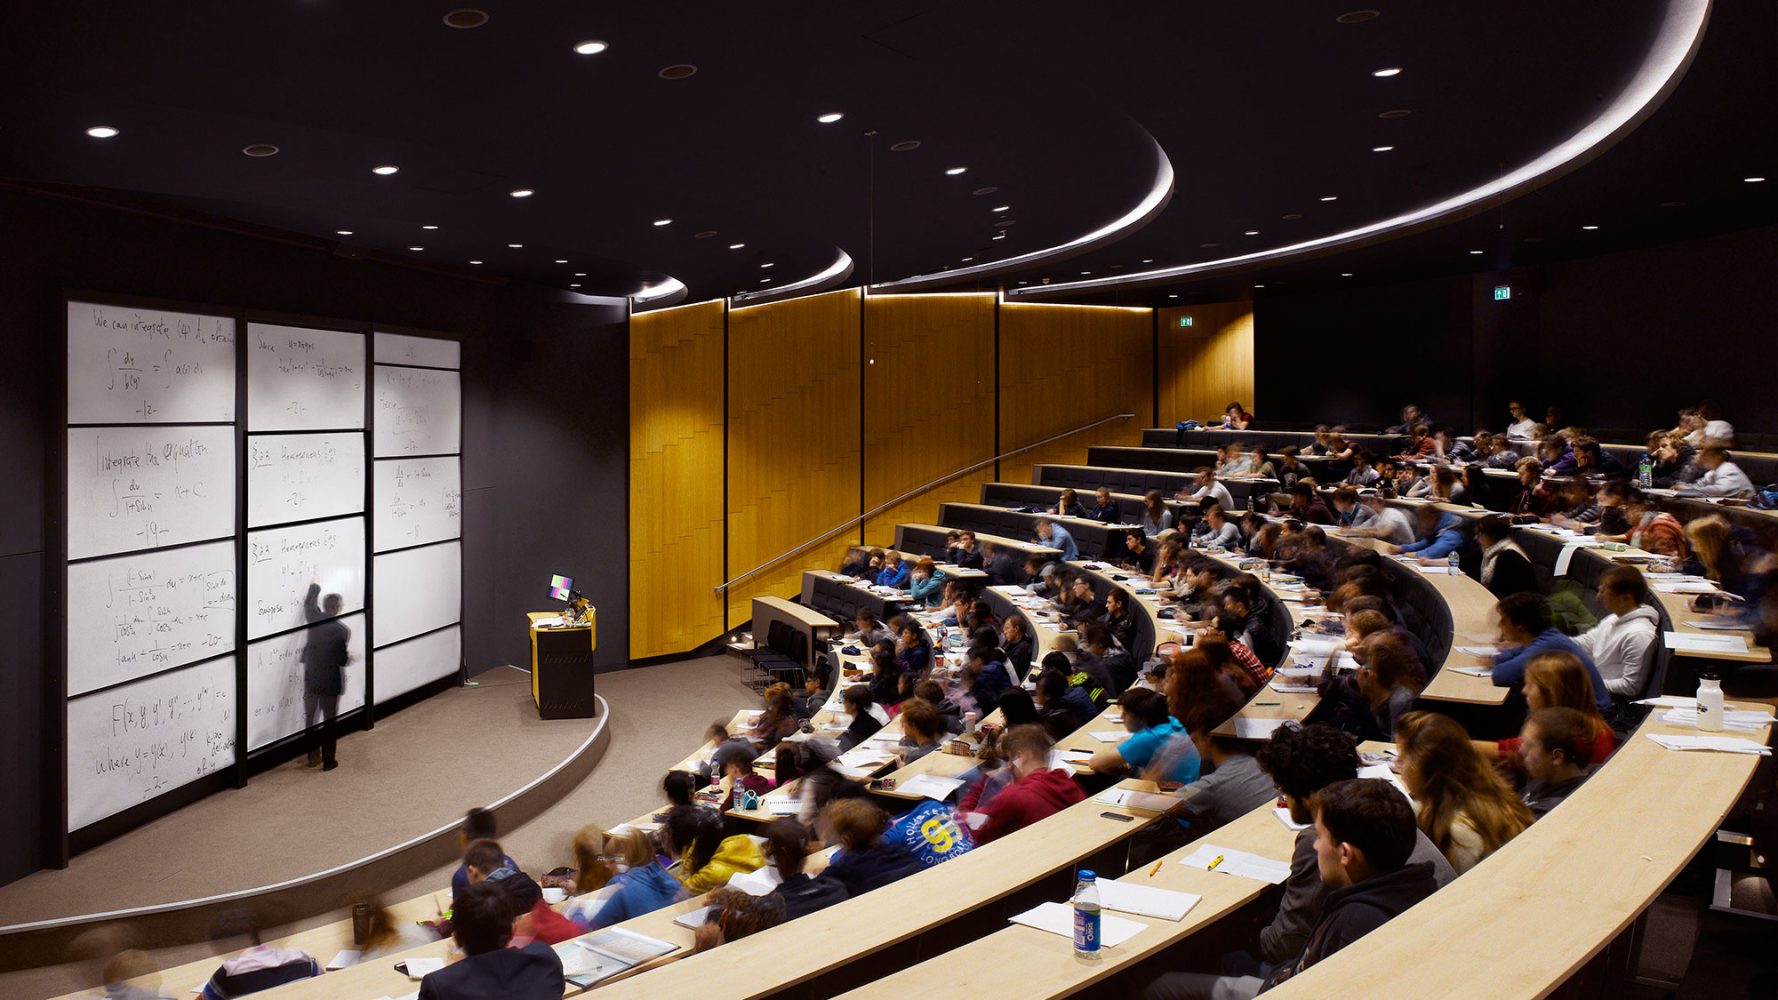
[[1063, 366], [793, 437], [676, 515], [1207, 365], [928, 402]]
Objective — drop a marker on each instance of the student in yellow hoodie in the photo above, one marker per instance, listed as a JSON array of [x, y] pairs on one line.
[[706, 858]]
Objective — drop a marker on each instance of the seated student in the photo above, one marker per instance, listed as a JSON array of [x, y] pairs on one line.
[[1553, 748], [1236, 418], [1057, 537], [787, 848], [1368, 702], [1157, 742], [707, 859], [1259, 464], [736, 914], [1062, 708], [926, 583], [738, 774], [1036, 791], [1440, 534], [810, 700], [1577, 507], [1120, 618], [1506, 570], [532, 917], [1084, 669], [992, 679], [1643, 525], [1289, 471], [260, 967], [857, 563], [1311, 559], [482, 925], [1526, 633], [1104, 508], [643, 886], [1557, 680], [979, 615], [894, 572], [1080, 604], [1115, 664], [1001, 565], [777, 720], [1156, 518], [1348, 512], [1387, 523], [1621, 645], [1245, 617], [1534, 498], [1215, 531], [864, 862], [867, 631], [922, 730], [950, 714], [1721, 478], [913, 654], [867, 716], [1591, 460], [1521, 427], [478, 824], [1068, 505], [1015, 640], [1232, 462], [1466, 809], [1210, 491], [968, 554], [1364, 474], [1138, 555], [1307, 505], [1231, 784]]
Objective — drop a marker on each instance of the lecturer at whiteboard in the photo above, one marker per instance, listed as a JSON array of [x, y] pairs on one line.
[[324, 665]]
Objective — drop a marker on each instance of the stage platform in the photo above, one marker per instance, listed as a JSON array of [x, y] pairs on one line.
[[299, 841]]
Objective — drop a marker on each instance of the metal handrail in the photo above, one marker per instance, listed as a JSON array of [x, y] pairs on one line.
[[916, 491]]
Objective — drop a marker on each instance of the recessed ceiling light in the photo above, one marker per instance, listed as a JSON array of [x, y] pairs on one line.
[[385, 170], [1002, 208], [523, 193], [466, 17], [990, 189], [1381, 149], [703, 234], [1205, 246], [1475, 253], [591, 48], [663, 222], [1589, 228], [1148, 260], [736, 246], [769, 263], [1252, 232], [1356, 16], [954, 171], [475, 262], [580, 274], [561, 262], [1387, 71], [677, 71], [1172, 296], [515, 246], [416, 249], [1753, 180], [1330, 197], [1394, 113], [967, 259], [1003, 223], [343, 232], [428, 227], [1086, 272], [765, 281], [1345, 274], [905, 146], [829, 118], [998, 236], [1024, 282], [101, 132], [1291, 216], [260, 149], [1259, 286]]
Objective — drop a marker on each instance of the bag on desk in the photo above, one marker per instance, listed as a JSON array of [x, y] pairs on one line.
[[1765, 498], [930, 833]]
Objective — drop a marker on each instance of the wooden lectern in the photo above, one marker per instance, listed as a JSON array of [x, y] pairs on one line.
[[562, 667]]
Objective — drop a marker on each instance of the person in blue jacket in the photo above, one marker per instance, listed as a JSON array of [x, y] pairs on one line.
[[1057, 537], [895, 571], [642, 887], [1441, 533], [1526, 633]]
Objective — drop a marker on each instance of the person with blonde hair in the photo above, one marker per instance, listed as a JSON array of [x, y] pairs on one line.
[[1558, 680], [1467, 809], [592, 865]]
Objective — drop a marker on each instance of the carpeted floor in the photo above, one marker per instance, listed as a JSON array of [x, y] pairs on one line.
[[658, 715]]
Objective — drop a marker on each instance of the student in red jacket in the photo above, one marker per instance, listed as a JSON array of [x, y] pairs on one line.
[[1037, 790], [533, 919]]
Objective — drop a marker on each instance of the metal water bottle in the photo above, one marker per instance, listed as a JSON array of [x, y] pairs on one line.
[[1710, 708]]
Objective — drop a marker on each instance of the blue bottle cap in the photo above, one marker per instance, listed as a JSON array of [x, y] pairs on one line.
[[1087, 875]]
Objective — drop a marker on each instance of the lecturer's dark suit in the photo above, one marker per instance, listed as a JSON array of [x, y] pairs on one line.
[[324, 664]]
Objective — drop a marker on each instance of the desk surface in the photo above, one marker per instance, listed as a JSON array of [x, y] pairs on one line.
[[1029, 548], [793, 612]]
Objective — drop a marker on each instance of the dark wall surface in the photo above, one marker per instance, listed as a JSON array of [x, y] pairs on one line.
[[1619, 342], [544, 411]]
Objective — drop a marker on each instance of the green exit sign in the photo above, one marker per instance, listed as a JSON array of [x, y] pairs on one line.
[[1502, 292], [1185, 321]]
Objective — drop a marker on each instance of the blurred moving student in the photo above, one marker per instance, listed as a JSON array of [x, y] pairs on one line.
[[1526, 633], [259, 967], [787, 848], [1466, 809], [643, 886], [706, 858], [864, 861], [1037, 790], [478, 824]]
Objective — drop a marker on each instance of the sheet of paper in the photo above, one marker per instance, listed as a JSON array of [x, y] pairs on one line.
[[1383, 772], [420, 968], [931, 786], [1058, 918], [693, 919], [1474, 671], [1724, 744], [1283, 815], [1740, 721], [345, 958], [1114, 796], [1317, 645], [1487, 651], [1685, 587], [1718, 624], [1146, 901], [1669, 701], [756, 883], [1691, 642], [1228, 861], [783, 806], [1109, 735], [1256, 729], [1279, 685], [1073, 756]]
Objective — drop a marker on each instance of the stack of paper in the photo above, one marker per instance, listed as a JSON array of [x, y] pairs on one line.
[[1283, 815], [1487, 651], [1256, 729], [1072, 756], [1692, 642], [931, 786], [1740, 721], [1685, 585], [1109, 735], [1146, 901], [693, 919], [1282, 686], [1383, 772], [1058, 918], [1229, 861], [1474, 671], [1725, 744]]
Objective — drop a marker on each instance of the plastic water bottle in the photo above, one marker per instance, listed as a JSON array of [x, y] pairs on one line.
[[1455, 564], [1086, 916], [969, 723], [1709, 721], [1645, 472]]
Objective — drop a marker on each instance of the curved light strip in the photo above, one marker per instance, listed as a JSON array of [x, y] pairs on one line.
[[666, 293], [836, 272], [1159, 193], [1666, 62]]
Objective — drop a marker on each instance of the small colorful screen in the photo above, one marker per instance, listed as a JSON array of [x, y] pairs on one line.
[[560, 587]]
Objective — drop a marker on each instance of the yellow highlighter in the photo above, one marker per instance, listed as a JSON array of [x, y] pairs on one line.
[[1212, 866]]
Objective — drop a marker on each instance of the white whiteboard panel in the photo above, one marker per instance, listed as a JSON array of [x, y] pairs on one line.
[[145, 487], [418, 590], [141, 614], [432, 352], [300, 379], [275, 683], [281, 561], [418, 412], [402, 668], [129, 365], [295, 477], [417, 500], [134, 742]]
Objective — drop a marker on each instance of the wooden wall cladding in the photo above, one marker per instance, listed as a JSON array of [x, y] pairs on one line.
[[928, 391], [793, 437], [676, 510], [1062, 366], [1207, 365]]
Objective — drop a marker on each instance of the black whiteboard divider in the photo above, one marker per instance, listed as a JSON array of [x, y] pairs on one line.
[[176, 546], [347, 613], [241, 601], [54, 806], [426, 545], [416, 458], [312, 520], [308, 430], [370, 529], [424, 368], [140, 424]]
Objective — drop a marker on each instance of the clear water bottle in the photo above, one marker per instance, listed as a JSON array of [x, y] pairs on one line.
[[1086, 916], [1455, 563], [1710, 708], [1645, 472]]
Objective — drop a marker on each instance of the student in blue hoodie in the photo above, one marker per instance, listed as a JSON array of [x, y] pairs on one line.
[[1526, 633], [1057, 537], [864, 862], [895, 571], [1441, 533], [642, 887]]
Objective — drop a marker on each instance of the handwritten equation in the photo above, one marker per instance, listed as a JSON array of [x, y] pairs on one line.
[[417, 500], [295, 477], [302, 379], [141, 488], [132, 365]]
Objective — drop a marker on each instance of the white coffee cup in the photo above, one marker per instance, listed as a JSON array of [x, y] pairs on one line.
[[554, 895]]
